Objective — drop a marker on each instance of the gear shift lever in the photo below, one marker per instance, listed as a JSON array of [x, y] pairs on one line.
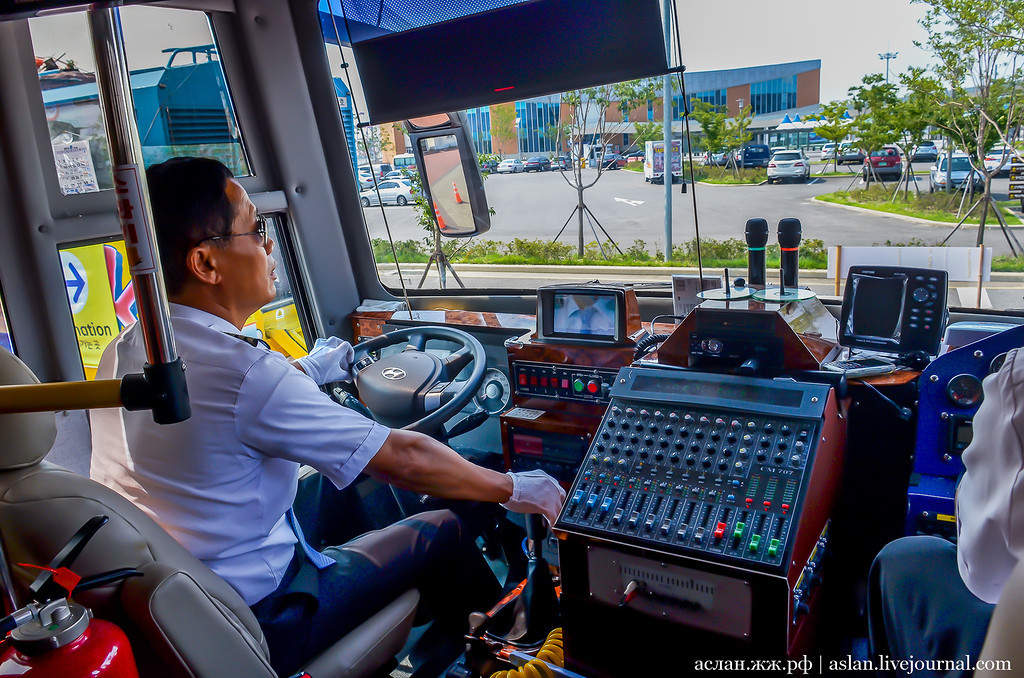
[[536, 608]]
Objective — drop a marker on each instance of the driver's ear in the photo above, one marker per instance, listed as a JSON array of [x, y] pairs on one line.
[[201, 263]]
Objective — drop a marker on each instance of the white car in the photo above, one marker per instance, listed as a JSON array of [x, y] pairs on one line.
[[365, 179], [510, 166], [789, 165], [999, 157], [397, 192], [828, 151]]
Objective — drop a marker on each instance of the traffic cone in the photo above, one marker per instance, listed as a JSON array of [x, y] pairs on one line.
[[440, 222], [458, 198]]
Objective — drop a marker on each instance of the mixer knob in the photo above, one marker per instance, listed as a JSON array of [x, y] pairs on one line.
[[785, 429], [630, 412], [723, 465], [778, 458], [690, 460], [698, 434], [619, 437], [639, 426], [710, 448], [761, 456], [616, 411], [659, 455], [799, 445], [795, 459], [648, 441], [748, 439], [644, 414], [607, 461], [704, 420], [716, 436], [769, 427], [727, 453], [766, 441], [600, 447], [634, 438], [744, 452], [663, 443], [782, 444], [706, 462], [673, 417], [688, 418], [695, 447], [719, 423], [684, 432], [659, 415], [614, 449], [679, 445], [605, 435], [674, 458], [751, 425], [668, 430], [594, 458], [653, 429], [644, 454], [731, 438], [735, 424]]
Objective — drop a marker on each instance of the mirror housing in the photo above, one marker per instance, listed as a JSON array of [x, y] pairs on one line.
[[449, 173]]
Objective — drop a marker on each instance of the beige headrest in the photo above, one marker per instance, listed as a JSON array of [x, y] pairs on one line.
[[24, 438]]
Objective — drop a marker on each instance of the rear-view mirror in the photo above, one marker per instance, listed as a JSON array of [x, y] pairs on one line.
[[450, 175]]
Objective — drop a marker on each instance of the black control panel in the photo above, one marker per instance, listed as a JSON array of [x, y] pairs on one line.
[[698, 462], [562, 382]]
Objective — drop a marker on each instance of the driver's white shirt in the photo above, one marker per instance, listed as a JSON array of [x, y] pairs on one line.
[[221, 482]]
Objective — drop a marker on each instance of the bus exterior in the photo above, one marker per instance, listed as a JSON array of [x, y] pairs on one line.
[[725, 484]]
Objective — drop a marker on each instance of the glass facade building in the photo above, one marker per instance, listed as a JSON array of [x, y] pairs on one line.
[[537, 125]]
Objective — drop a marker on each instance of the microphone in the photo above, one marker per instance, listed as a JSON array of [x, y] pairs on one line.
[[757, 237], [789, 244]]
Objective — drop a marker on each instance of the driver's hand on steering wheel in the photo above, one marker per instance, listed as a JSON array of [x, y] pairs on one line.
[[329, 361], [535, 492]]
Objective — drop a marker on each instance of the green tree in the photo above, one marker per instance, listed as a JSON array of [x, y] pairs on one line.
[[712, 121], [915, 113], [737, 135], [879, 121], [647, 131], [833, 126], [977, 45], [503, 125], [590, 123]]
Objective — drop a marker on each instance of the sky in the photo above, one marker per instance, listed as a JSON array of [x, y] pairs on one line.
[[846, 35]]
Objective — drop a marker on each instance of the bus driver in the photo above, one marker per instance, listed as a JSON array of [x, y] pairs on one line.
[[222, 482]]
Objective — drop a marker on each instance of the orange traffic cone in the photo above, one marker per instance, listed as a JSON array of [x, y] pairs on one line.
[[440, 222], [458, 198]]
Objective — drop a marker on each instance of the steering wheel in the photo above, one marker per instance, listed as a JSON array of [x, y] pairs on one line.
[[413, 389]]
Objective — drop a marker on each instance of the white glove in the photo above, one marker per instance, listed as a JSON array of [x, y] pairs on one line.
[[535, 492], [329, 361]]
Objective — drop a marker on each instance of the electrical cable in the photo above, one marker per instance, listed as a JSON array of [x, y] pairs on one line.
[[689, 146], [550, 653], [362, 133]]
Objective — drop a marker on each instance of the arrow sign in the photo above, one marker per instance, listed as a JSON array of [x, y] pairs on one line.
[[76, 280], [76, 285], [633, 203]]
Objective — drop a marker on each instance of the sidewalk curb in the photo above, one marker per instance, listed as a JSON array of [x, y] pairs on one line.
[[904, 217]]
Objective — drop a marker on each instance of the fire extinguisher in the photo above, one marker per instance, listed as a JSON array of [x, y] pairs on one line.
[[55, 636]]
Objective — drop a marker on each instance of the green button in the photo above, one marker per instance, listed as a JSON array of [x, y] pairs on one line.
[[755, 541], [577, 386], [773, 547], [738, 532]]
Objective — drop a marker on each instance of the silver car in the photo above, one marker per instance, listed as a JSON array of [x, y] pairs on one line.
[[789, 165], [960, 173]]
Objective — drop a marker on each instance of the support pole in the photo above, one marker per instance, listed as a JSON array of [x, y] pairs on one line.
[[666, 110]]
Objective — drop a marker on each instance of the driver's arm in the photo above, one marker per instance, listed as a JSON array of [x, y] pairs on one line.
[[416, 462]]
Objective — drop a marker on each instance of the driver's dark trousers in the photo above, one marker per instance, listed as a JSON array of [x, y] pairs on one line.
[[430, 551]]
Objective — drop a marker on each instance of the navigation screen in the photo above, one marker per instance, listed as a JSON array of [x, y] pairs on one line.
[[719, 390], [581, 313], [877, 310]]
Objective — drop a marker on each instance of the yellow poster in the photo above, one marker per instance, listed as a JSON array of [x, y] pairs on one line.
[[101, 296]]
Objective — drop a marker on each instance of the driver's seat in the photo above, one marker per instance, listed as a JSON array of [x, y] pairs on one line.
[[181, 618]]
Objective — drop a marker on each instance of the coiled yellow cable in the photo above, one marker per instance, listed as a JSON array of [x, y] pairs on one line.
[[550, 651]]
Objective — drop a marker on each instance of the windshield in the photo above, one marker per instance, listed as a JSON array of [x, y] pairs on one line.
[[957, 165], [587, 218]]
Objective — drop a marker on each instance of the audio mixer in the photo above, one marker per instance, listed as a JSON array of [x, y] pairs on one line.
[[702, 505]]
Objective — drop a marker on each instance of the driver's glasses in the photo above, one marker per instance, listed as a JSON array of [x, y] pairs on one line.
[[260, 233]]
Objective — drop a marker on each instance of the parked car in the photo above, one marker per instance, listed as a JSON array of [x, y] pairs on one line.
[[850, 153], [396, 175], [999, 157], [926, 151], [364, 178], [776, 149], [755, 155], [828, 152], [884, 162], [397, 192], [510, 166], [612, 161], [789, 165], [960, 172], [715, 159], [489, 166], [562, 162], [383, 169], [537, 164], [634, 156]]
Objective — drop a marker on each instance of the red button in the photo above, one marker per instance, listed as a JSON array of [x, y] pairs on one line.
[[522, 380], [749, 501], [719, 530], [544, 381], [592, 387], [565, 383], [785, 507], [533, 381]]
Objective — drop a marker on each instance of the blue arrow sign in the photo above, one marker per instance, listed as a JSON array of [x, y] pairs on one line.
[[76, 284]]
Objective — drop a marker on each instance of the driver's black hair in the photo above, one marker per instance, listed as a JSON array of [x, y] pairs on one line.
[[190, 203]]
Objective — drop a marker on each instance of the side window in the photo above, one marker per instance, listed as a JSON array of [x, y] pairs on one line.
[[5, 334], [102, 301], [182, 103]]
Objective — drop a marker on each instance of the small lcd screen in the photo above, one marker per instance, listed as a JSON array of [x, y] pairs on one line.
[[584, 314], [550, 446], [876, 310], [963, 434], [719, 390]]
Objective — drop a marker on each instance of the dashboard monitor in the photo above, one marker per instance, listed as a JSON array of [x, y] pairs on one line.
[[894, 309], [583, 313]]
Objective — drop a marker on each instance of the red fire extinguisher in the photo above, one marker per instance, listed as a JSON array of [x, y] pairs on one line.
[[55, 636]]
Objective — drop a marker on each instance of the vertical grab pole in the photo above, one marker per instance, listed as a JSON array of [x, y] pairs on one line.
[[164, 371]]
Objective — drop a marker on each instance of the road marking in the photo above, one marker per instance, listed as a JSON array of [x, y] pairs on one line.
[[634, 203]]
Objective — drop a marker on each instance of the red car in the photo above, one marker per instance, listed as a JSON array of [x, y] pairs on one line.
[[886, 162], [613, 161]]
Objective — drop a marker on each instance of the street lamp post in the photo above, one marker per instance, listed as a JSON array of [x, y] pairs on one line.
[[887, 57]]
